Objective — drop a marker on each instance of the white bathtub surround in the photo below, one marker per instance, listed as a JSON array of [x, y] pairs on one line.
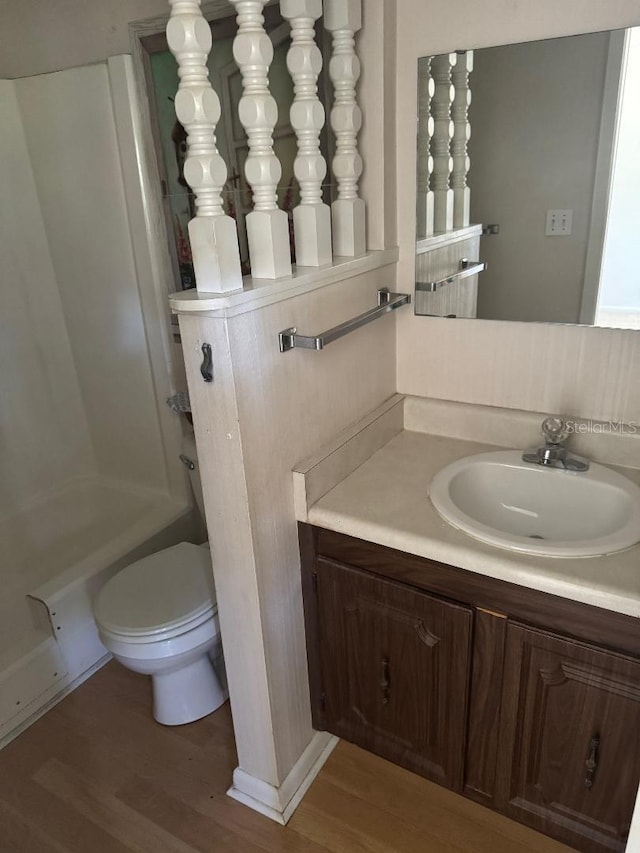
[[343, 18], [311, 218], [212, 234], [90, 470], [43, 420], [267, 225]]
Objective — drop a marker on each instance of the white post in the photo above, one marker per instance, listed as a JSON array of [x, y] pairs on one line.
[[441, 141], [424, 202], [267, 225], [343, 18], [311, 218], [212, 234], [461, 135]]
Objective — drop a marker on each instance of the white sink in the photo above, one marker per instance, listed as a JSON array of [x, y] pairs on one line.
[[499, 499]]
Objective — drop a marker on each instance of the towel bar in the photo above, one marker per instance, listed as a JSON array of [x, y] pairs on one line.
[[465, 269], [290, 339]]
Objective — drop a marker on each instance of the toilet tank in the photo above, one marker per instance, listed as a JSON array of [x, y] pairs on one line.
[[190, 458]]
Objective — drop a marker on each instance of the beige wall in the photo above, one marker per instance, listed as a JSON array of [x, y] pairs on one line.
[[582, 371]]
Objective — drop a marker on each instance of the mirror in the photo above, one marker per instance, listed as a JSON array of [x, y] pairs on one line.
[[554, 178]]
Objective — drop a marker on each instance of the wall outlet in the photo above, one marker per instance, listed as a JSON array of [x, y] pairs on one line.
[[559, 223]]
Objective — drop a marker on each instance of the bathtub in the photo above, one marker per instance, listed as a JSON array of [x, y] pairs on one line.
[[60, 550]]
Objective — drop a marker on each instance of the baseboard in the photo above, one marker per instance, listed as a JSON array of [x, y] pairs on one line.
[[279, 803]]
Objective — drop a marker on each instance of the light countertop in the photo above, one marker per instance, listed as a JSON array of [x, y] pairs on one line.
[[385, 501]]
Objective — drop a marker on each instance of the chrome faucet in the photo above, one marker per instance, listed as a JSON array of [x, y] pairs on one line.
[[554, 453]]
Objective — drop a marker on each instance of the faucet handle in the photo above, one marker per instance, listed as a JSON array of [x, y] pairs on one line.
[[555, 430]]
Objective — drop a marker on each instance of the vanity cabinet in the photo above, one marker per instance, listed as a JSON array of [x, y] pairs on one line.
[[523, 701]]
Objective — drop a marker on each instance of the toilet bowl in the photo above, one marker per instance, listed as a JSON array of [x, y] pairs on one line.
[[158, 616]]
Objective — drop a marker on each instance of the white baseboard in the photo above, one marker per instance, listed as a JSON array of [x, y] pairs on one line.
[[280, 802]]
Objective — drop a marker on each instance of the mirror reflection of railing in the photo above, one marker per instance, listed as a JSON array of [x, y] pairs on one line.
[[443, 198], [213, 235], [444, 95]]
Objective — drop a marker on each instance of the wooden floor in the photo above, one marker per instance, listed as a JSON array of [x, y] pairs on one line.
[[98, 775]]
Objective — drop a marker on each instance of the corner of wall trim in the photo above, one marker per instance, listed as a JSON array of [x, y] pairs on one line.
[[279, 802]]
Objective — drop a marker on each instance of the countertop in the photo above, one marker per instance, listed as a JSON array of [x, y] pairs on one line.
[[385, 500]]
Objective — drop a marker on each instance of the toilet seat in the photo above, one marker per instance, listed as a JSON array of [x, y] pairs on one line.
[[159, 597]]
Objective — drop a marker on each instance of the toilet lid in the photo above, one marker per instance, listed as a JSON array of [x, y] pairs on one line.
[[164, 591]]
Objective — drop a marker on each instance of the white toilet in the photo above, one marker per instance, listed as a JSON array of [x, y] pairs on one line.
[[158, 616]]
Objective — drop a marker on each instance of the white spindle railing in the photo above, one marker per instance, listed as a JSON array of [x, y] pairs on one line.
[[267, 225], [424, 202], [441, 141], [461, 135], [311, 218], [213, 235], [343, 18]]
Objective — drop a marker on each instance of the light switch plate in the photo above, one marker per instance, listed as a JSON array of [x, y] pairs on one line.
[[559, 223]]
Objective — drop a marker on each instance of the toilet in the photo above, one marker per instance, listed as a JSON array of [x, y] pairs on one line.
[[158, 617]]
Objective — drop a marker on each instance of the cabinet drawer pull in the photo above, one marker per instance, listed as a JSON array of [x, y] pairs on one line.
[[385, 681], [592, 760]]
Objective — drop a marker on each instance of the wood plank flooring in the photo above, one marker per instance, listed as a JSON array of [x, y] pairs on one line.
[[98, 775]]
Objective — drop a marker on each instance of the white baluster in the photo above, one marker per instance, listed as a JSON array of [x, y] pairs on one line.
[[441, 141], [343, 18], [311, 218], [424, 204], [267, 225], [213, 236], [461, 135]]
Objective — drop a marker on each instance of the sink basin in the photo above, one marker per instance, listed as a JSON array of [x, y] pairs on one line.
[[499, 499]]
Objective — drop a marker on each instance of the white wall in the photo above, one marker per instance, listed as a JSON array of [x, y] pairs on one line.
[[44, 433], [71, 141], [581, 371], [535, 120]]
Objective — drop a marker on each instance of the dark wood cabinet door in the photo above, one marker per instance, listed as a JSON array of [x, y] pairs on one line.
[[569, 754], [395, 670]]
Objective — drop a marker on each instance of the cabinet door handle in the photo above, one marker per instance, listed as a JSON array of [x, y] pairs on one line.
[[592, 761], [385, 681]]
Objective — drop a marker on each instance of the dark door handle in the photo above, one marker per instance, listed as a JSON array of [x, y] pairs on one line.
[[206, 368], [592, 760], [385, 681]]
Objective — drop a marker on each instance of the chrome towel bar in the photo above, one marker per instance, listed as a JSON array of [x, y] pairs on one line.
[[290, 339], [465, 269]]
